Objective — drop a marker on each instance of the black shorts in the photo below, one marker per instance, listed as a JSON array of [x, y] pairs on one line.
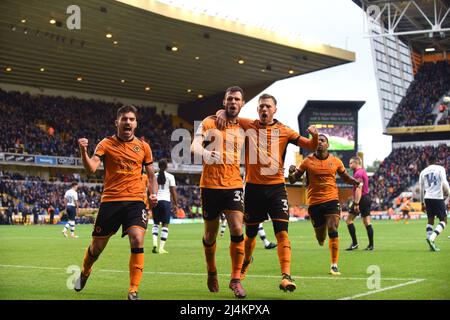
[[215, 201], [162, 212], [405, 212], [263, 201], [317, 212], [436, 208], [71, 212], [112, 215], [364, 207]]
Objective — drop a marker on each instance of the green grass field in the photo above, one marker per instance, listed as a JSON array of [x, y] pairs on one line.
[[34, 262]]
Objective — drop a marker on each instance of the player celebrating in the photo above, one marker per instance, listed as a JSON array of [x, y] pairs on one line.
[[122, 200], [222, 187], [265, 190], [71, 204], [323, 196], [361, 204], [161, 213], [432, 181]]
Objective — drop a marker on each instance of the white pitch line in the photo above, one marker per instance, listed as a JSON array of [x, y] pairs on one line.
[[382, 289], [220, 274]]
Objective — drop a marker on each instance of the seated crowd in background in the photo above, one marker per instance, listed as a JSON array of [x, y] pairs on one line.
[[431, 82], [401, 170], [67, 119]]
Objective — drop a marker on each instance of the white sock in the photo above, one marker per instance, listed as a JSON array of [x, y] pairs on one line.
[[72, 227], [164, 235], [429, 230], [223, 226], [262, 235], [66, 227], [155, 232], [437, 230]]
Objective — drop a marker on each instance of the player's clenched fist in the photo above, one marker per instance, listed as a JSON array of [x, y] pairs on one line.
[[312, 130], [153, 200], [83, 143]]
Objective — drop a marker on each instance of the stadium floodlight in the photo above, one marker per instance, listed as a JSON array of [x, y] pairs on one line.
[[429, 49]]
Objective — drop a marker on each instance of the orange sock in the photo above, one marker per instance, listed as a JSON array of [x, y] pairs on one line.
[[250, 244], [237, 248], [88, 261], [210, 255], [136, 268], [284, 251], [333, 244]]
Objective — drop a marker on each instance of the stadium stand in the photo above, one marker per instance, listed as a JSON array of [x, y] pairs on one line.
[[430, 83], [401, 170], [51, 125], [18, 191]]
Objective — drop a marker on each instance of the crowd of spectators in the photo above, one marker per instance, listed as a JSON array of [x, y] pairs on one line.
[[431, 82], [401, 170], [51, 125], [21, 193]]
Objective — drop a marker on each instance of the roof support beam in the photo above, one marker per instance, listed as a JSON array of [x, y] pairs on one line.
[[389, 16]]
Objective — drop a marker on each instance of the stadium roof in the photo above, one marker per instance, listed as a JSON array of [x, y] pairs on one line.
[[145, 33], [421, 23]]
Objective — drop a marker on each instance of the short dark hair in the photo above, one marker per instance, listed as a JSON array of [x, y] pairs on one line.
[[73, 184], [267, 96], [432, 159], [125, 109], [235, 89]]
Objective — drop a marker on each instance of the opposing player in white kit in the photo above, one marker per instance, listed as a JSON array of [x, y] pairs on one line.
[[71, 204], [162, 212], [433, 181]]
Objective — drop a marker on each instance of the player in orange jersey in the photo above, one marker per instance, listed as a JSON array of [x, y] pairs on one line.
[[265, 190], [122, 202], [323, 196], [221, 187]]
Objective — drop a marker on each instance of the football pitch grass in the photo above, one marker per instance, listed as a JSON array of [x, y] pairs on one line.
[[34, 264]]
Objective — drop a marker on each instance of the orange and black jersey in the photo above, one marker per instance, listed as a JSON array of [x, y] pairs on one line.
[[123, 161], [228, 142], [266, 150], [321, 178]]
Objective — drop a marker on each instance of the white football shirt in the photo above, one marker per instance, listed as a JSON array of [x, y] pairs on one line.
[[432, 181], [164, 190], [71, 196]]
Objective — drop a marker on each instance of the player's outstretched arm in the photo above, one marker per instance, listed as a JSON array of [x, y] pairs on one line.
[[221, 121], [349, 179], [90, 164], [309, 144]]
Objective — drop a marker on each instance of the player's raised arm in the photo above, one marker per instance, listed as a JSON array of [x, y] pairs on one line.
[[309, 144], [91, 164]]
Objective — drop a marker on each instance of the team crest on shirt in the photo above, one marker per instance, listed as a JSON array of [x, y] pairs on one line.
[[136, 149], [276, 132]]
